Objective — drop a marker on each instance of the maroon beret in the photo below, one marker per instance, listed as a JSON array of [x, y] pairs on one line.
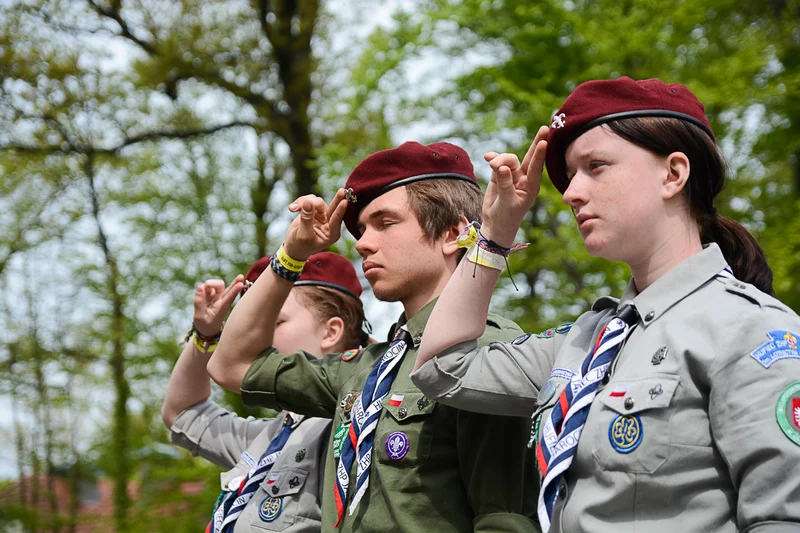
[[409, 162], [323, 269], [600, 101]]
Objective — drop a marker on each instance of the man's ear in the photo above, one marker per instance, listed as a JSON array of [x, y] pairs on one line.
[[450, 246], [678, 169], [334, 333]]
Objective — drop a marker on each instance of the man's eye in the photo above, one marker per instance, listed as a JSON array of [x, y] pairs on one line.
[[594, 165]]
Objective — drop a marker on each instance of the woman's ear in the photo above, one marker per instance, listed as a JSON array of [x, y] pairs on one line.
[[450, 246], [678, 171], [334, 333]]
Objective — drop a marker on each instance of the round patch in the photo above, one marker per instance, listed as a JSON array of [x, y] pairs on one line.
[[788, 412], [565, 327], [270, 508], [625, 433], [522, 338], [349, 354], [547, 391], [397, 445]]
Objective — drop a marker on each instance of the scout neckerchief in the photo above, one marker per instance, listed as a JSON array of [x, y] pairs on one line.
[[562, 429], [365, 413], [228, 511]]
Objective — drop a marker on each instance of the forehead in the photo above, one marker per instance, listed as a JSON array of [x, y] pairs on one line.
[[599, 137], [395, 201]]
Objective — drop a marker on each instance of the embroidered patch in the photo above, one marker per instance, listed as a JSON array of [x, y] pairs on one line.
[[247, 458], [788, 412], [656, 391], [562, 373], [659, 356], [619, 391], [270, 508], [625, 433], [782, 345], [564, 327], [522, 338], [396, 400], [338, 439], [546, 334], [349, 354], [294, 482], [397, 445]]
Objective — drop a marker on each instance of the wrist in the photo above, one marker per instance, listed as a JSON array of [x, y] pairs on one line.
[[504, 238], [296, 252]]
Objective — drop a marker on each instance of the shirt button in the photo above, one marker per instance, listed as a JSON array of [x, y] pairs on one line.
[[650, 315], [562, 492], [628, 403], [605, 379], [402, 412]]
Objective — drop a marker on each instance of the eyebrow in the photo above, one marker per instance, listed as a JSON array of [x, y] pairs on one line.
[[591, 153]]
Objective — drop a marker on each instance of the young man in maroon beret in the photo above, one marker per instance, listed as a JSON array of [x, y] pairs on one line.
[[397, 461]]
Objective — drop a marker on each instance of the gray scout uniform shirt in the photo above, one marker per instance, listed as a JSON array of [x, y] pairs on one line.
[[712, 373], [288, 499]]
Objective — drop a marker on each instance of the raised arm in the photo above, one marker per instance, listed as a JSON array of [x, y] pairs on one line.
[[189, 383], [460, 313], [251, 327]]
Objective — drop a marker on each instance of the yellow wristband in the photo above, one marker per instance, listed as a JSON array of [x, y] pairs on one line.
[[484, 258], [205, 347], [292, 265]]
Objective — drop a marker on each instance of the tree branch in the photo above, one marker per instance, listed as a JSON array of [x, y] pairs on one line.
[[114, 14]]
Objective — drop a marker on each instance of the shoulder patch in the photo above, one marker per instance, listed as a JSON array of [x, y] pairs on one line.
[[782, 344], [564, 327], [349, 354], [522, 338], [787, 412], [546, 334]]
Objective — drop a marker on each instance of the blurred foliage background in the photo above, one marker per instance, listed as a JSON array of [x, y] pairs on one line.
[[146, 145]]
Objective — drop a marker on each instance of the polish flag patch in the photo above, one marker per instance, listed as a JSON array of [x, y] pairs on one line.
[[396, 399], [271, 480], [619, 391]]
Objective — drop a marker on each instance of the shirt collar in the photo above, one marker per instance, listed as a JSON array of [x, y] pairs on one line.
[[675, 285], [415, 326]]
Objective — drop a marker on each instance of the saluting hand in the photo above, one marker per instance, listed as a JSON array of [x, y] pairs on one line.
[[511, 191], [318, 226], [212, 301]]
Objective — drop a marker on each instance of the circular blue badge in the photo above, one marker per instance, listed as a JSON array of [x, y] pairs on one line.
[[397, 445], [270, 508], [625, 433]]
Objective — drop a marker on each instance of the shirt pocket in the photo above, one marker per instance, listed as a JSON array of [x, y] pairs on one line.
[[275, 505], [405, 432], [630, 426]]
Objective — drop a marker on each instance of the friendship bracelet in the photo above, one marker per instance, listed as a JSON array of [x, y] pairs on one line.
[[282, 271], [471, 235], [482, 251], [200, 336], [287, 262]]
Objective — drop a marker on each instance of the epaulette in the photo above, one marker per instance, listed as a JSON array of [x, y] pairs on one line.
[[752, 294]]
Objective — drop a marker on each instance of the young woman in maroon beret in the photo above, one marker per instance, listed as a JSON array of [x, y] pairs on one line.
[[674, 408], [274, 475]]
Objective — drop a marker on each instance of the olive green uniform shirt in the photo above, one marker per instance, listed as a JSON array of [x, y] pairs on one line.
[[462, 471], [715, 447]]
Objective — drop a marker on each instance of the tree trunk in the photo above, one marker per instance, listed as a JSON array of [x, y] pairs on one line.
[[117, 363]]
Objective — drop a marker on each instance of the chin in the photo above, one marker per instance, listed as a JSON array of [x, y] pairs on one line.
[[386, 293]]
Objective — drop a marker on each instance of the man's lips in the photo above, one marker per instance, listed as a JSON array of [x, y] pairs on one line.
[[583, 218], [369, 266]]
